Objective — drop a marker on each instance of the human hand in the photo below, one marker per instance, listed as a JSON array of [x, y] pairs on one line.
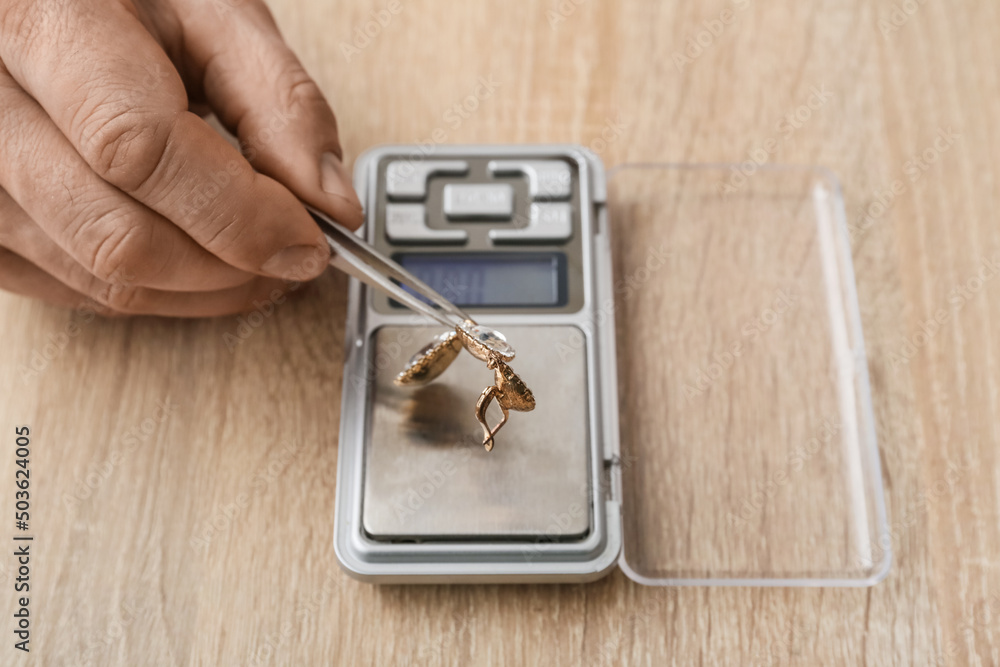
[[113, 189]]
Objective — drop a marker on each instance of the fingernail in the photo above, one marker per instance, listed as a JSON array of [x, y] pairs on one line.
[[297, 262], [334, 178]]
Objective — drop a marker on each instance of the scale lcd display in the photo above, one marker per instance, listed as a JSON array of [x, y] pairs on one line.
[[503, 280]]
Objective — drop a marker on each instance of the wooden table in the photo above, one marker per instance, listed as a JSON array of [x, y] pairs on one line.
[[183, 492]]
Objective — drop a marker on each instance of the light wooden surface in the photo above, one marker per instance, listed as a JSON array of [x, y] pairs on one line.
[[128, 568]]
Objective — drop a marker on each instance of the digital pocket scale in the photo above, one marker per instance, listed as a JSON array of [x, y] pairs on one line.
[[517, 236]]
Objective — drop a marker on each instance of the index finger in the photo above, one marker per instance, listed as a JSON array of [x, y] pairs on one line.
[[110, 88]]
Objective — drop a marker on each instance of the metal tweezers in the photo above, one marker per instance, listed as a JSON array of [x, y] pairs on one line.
[[357, 258]]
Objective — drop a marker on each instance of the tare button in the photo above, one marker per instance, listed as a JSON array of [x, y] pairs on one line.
[[474, 200]]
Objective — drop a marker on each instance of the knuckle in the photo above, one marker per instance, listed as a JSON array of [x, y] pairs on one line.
[[122, 255], [298, 89], [124, 145]]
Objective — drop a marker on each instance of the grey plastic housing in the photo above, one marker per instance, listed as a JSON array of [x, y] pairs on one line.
[[475, 560]]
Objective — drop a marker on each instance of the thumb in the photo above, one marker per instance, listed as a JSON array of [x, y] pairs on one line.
[[261, 93]]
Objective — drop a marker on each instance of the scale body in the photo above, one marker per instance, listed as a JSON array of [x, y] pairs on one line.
[[517, 237]]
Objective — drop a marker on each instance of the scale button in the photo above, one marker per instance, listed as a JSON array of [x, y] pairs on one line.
[[407, 179], [407, 223], [547, 223], [475, 200], [547, 179]]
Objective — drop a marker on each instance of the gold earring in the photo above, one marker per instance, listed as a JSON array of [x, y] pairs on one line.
[[432, 360], [510, 393], [485, 344]]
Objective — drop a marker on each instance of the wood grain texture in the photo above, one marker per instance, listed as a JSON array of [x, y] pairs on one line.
[[200, 532]]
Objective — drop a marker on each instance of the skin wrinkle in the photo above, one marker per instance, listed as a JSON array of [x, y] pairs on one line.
[[90, 216], [222, 219], [100, 135], [226, 234], [114, 258], [95, 122], [130, 157], [123, 300]]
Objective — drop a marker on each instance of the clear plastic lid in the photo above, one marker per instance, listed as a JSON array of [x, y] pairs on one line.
[[748, 452]]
